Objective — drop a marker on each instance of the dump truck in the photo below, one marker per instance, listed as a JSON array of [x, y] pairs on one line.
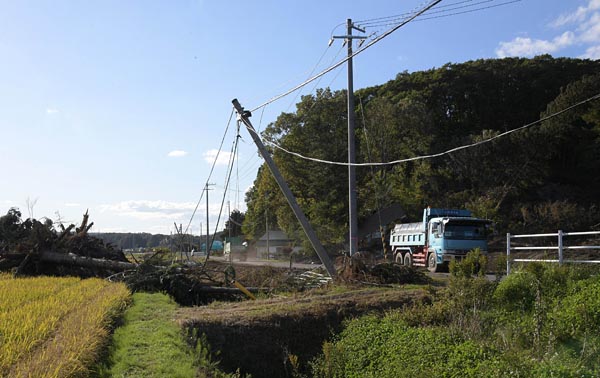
[[443, 235]]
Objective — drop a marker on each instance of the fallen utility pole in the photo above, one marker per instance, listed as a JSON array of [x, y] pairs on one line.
[[310, 233]]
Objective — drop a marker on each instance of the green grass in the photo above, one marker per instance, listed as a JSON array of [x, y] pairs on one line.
[[149, 344]]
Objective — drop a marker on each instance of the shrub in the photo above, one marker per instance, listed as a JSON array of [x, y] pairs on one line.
[[578, 314], [474, 264], [516, 292]]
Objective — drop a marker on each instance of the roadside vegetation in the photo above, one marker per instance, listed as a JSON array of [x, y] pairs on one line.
[[541, 321], [55, 327]]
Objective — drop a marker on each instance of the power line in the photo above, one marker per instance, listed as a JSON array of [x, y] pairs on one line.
[[468, 11], [211, 171], [365, 22], [422, 157], [227, 181], [311, 72], [358, 51], [395, 19]]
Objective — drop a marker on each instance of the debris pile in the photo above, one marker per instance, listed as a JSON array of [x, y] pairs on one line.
[[386, 273], [35, 247]]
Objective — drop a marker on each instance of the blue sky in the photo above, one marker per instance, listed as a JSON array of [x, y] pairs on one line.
[[119, 106]]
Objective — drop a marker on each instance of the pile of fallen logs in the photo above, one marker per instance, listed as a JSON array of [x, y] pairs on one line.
[[41, 247]]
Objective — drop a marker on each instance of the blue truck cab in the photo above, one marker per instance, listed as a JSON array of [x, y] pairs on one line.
[[443, 235]]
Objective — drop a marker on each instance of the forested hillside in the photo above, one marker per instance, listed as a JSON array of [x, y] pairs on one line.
[[541, 178]]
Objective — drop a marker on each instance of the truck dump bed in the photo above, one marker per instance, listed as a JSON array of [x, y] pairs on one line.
[[408, 234]]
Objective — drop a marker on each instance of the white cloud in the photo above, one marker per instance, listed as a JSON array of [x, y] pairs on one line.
[[530, 47], [577, 16], [72, 204], [590, 30], [585, 25], [148, 210], [51, 111], [177, 153], [211, 155], [592, 53]]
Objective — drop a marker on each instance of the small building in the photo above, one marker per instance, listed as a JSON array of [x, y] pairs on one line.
[[278, 244]]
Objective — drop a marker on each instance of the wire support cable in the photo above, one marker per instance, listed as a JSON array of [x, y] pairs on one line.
[[358, 51], [430, 156]]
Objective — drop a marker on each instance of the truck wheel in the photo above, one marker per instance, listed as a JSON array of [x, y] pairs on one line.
[[399, 257], [432, 264], [407, 259]]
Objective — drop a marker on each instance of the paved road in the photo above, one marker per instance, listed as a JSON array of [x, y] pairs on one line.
[[275, 263]]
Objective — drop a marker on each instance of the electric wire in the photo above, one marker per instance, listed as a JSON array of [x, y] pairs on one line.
[[211, 171], [358, 51], [400, 18], [310, 74], [397, 16], [319, 80], [468, 11], [430, 156], [251, 170], [227, 181], [262, 113], [372, 168]]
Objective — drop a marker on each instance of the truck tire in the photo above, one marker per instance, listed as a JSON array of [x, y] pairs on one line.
[[407, 259], [432, 264], [398, 258]]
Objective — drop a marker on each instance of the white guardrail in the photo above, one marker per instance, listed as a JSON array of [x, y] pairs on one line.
[[560, 248]]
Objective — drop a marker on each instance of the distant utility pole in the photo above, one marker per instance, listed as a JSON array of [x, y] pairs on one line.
[[229, 224], [352, 207], [267, 222], [207, 224]]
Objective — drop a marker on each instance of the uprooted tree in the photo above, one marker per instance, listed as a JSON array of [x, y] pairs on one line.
[[33, 246]]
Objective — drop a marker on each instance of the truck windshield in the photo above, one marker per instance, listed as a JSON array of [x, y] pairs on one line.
[[464, 231]]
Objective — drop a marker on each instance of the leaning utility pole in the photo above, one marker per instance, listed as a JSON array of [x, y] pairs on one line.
[[244, 116], [352, 207]]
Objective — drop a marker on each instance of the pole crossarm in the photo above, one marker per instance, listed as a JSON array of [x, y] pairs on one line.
[[244, 116]]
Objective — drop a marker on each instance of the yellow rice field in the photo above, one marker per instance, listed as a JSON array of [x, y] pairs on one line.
[[55, 327]]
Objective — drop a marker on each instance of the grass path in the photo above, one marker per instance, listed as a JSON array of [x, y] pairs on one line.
[[150, 343]]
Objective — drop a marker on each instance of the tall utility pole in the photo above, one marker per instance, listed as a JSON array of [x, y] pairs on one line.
[[207, 226], [352, 207]]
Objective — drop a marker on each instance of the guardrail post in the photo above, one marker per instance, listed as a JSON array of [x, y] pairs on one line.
[[507, 254], [560, 247]]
